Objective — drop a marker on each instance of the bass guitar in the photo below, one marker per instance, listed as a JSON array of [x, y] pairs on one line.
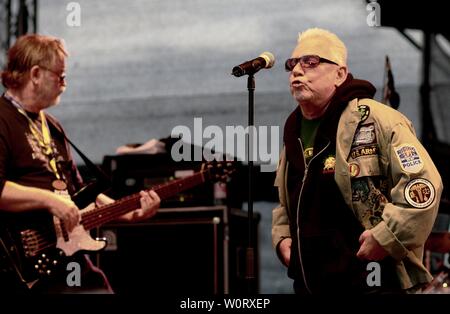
[[39, 250]]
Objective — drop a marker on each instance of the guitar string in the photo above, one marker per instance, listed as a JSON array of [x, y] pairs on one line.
[[132, 204], [43, 243], [109, 212], [126, 205], [41, 239]]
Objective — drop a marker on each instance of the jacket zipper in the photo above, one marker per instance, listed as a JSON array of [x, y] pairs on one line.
[[298, 210]]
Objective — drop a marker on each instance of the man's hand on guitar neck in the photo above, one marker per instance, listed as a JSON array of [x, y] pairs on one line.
[[150, 202]]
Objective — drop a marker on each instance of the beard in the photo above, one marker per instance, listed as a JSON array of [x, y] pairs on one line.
[[301, 95], [49, 97]]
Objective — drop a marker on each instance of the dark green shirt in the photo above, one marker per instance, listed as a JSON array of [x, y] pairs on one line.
[[308, 131]]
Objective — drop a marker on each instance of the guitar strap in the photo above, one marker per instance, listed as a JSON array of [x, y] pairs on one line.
[[100, 184]]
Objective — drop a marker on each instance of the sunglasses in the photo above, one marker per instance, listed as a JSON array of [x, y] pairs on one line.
[[306, 62], [62, 77]]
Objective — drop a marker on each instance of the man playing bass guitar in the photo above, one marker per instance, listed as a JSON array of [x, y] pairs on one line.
[[37, 173]]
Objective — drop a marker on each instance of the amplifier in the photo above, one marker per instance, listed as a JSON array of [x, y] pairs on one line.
[[188, 250]]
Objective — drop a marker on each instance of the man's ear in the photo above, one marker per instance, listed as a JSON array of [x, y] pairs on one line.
[[341, 76], [35, 74]]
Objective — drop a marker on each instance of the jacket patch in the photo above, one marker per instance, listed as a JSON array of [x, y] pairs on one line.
[[369, 200], [329, 165], [419, 193], [365, 135], [353, 169], [360, 190], [364, 151], [409, 158], [377, 201], [364, 110]]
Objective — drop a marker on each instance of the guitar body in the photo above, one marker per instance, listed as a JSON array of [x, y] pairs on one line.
[[18, 256], [77, 240], [41, 248]]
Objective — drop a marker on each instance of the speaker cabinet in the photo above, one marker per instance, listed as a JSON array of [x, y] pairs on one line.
[[189, 250]]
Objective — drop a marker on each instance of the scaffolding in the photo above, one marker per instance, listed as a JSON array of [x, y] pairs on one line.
[[17, 17]]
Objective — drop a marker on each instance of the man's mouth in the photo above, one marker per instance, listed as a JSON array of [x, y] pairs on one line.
[[298, 84]]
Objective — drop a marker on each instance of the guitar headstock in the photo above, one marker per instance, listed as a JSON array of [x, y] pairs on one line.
[[219, 170]]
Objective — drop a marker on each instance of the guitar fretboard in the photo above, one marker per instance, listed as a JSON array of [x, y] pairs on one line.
[[109, 212]]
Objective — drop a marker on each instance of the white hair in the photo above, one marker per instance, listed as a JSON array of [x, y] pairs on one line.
[[334, 47]]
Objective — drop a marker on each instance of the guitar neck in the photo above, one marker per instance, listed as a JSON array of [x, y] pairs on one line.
[[106, 213]]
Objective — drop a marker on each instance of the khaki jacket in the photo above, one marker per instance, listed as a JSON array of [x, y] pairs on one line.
[[388, 147]]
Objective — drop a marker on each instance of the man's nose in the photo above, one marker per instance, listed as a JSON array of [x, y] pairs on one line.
[[298, 70]]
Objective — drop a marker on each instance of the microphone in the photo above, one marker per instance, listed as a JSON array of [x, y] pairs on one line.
[[265, 60]]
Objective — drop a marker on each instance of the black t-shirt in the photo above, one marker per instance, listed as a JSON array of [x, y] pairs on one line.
[[22, 160]]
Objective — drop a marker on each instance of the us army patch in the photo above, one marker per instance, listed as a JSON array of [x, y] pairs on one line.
[[419, 193], [409, 158], [364, 151], [364, 110], [364, 135]]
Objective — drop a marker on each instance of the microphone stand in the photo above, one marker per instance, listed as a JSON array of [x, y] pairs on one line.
[[265, 60], [250, 251]]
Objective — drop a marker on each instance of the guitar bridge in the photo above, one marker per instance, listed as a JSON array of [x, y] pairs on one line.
[[30, 242]]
